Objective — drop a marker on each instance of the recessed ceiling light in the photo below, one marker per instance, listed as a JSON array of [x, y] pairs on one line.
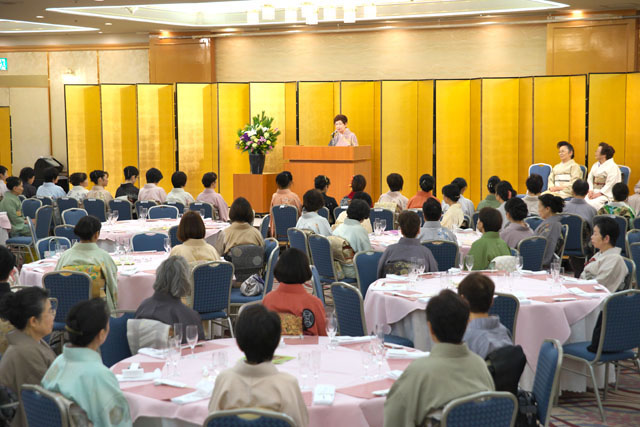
[[577, 13], [108, 23], [40, 17]]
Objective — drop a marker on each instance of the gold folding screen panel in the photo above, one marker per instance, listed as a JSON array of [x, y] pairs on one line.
[[316, 110], [119, 131], [84, 135], [632, 147], [5, 138], [271, 98], [156, 138]]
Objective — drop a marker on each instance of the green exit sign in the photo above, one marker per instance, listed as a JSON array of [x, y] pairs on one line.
[[3, 64]]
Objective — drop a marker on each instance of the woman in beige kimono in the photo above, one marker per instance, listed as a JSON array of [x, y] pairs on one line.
[[342, 136], [565, 173]]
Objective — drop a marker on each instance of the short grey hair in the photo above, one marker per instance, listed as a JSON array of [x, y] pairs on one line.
[[173, 277]]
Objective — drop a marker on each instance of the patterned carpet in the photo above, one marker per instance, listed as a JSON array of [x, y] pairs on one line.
[[622, 407]]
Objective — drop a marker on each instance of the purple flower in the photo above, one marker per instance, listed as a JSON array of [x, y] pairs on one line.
[[245, 137]]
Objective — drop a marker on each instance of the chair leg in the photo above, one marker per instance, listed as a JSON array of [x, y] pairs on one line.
[[230, 327], [617, 374], [606, 381], [210, 330], [597, 392]]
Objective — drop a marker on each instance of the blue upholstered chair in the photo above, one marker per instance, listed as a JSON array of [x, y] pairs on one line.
[[318, 290], [148, 204], [173, 236], [366, 264], [145, 242], [209, 210], [177, 205], [533, 221], [532, 251], [71, 216], [298, 239], [445, 253], [324, 212], [43, 407], [123, 207], [542, 169], [97, 208], [484, 409], [545, 383], [320, 249], [379, 213], [49, 244], [264, 226], [284, 218], [29, 207], [212, 283], [116, 346], [338, 210], [69, 288], [625, 171], [65, 203], [66, 231], [574, 243], [248, 417], [163, 212], [237, 299], [506, 307]]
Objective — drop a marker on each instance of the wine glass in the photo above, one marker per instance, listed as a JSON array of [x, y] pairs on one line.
[[383, 225], [174, 353], [223, 360], [379, 353], [332, 328], [304, 360], [143, 214], [202, 214], [114, 216], [519, 264], [167, 245], [109, 218], [192, 338], [468, 261], [178, 331], [376, 227], [367, 358]]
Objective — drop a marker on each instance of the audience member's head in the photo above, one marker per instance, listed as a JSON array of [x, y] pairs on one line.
[[447, 317], [409, 222], [489, 219], [99, 177], [292, 267], [191, 227], [50, 174], [516, 209], [620, 191], [209, 180], [312, 200], [258, 333], [3, 172], [606, 150], [363, 195], [395, 182], [28, 309], [605, 233], [131, 173], [178, 179], [7, 262], [565, 149], [173, 277], [504, 191], [580, 188], [427, 183], [14, 184], [548, 205], [432, 210], [358, 210], [241, 211], [461, 183], [284, 179], [88, 323], [78, 178], [321, 182], [358, 183], [491, 184], [88, 228], [451, 192], [477, 289], [534, 184], [27, 175], [153, 176]]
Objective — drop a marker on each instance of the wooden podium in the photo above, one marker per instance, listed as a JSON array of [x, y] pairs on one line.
[[339, 164], [257, 189]]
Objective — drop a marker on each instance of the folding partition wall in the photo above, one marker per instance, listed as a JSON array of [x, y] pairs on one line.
[[5, 138], [478, 128]]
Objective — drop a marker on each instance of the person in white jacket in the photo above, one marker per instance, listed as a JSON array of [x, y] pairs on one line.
[[602, 177]]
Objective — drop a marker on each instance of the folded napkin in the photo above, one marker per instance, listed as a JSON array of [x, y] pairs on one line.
[[534, 273], [128, 271], [153, 352], [147, 376], [397, 353], [581, 292], [522, 298], [465, 230], [389, 286], [350, 340], [204, 389], [324, 394], [579, 281]]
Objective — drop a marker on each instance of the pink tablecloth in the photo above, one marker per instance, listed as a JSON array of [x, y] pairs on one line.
[[341, 367], [465, 240], [536, 321], [4, 221], [123, 230], [135, 282]]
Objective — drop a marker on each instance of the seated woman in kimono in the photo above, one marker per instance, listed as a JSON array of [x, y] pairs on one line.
[[79, 374]]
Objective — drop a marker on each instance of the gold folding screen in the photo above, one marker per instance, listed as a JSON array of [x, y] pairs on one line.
[[5, 138], [119, 131], [84, 135], [316, 109]]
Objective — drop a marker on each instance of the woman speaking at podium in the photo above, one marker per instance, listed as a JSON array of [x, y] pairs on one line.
[[342, 137]]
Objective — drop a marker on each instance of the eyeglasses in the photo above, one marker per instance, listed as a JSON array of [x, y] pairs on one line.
[[54, 305]]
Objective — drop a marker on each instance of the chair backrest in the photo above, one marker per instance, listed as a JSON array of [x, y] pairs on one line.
[[96, 207], [71, 216], [65, 203], [320, 249], [212, 286], [209, 210], [444, 251], [545, 384], [143, 242], [632, 236], [42, 407], [542, 169], [268, 273], [30, 206], [514, 252], [116, 346], [474, 218], [46, 200], [123, 207], [162, 211], [636, 222], [269, 245], [634, 253], [69, 288], [264, 226], [66, 231], [324, 212], [506, 307], [380, 213], [298, 239], [533, 221], [246, 417], [49, 244], [623, 224], [583, 168], [144, 204], [177, 205], [338, 210], [620, 329], [366, 264], [487, 408], [564, 233], [349, 310], [625, 171], [532, 251], [143, 333], [247, 260], [22, 197], [318, 289], [630, 277], [574, 243], [173, 236], [44, 216], [284, 217]]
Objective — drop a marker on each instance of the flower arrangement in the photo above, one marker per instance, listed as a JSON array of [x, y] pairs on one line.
[[258, 137]]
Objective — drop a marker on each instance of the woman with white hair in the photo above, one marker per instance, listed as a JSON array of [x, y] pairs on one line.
[[173, 282]]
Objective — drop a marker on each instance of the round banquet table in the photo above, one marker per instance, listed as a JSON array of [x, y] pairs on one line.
[[341, 367], [121, 231], [465, 240], [136, 275], [391, 302]]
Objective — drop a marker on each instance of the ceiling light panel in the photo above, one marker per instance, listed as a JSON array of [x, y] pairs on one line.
[[10, 26], [234, 13]]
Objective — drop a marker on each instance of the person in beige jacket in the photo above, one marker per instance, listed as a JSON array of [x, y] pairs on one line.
[[241, 231], [256, 382], [607, 265], [191, 233]]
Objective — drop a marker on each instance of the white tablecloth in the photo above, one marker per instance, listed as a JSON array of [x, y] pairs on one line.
[[465, 240]]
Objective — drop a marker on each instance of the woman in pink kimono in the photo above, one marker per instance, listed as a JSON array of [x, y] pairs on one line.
[[342, 136]]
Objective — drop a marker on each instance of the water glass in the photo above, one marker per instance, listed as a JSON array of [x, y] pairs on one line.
[[332, 328], [109, 218], [219, 361], [202, 214], [62, 248], [143, 214], [468, 261], [316, 363], [367, 359], [376, 227], [192, 338], [178, 331], [167, 245], [174, 354], [379, 353], [115, 215], [383, 225], [519, 264], [304, 360]]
